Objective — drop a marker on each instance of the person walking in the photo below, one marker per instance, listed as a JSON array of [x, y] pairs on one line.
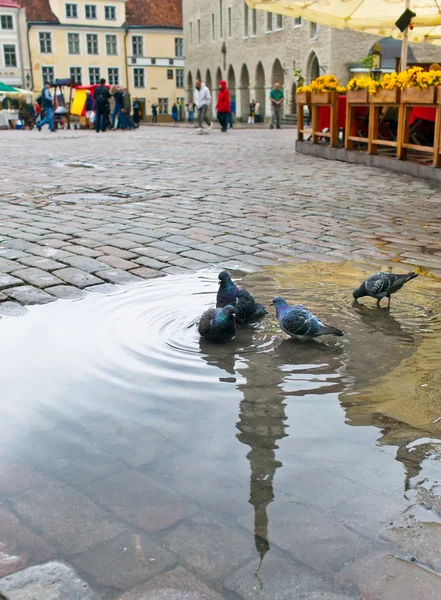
[[102, 106], [126, 111], [175, 113], [223, 106], [154, 113], [202, 100], [48, 107], [251, 113], [277, 98], [116, 115], [190, 108], [89, 109], [232, 112], [136, 112], [257, 110]]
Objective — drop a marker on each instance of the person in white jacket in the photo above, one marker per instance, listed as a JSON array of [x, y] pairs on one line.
[[202, 100]]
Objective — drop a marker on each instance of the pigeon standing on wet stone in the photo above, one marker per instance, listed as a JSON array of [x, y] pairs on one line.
[[247, 308], [218, 324], [299, 323], [382, 285]]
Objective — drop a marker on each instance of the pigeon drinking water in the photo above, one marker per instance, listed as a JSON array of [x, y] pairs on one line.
[[246, 307], [218, 324], [382, 285], [299, 323]]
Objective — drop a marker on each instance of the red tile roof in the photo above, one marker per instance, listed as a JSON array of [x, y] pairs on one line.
[[9, 4], [154, 13], [39, 11]]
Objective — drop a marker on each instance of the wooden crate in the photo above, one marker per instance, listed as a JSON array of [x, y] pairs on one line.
[[357, 96], [321, 97], [303, 98], [417, 96], [385, 97]]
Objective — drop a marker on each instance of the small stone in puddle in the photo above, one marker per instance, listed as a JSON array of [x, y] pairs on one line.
[[26, 294], [12, 309], [66, 292]]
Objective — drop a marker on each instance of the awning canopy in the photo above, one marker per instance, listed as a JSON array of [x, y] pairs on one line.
[[4, 87]]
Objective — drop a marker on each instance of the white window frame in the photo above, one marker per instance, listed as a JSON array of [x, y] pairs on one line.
[[279, 28], [95, 18], [159, 106], [43, 78], [97, 47], [117, 43], [182, 72], [52, 42], [14, 28], [115, 18], [268, 21], [313, 31], [297, 22], [81, 71], [142, 48], [17, 57], [253, 23], [181, 44], [66, 4], [99, 73], [119, 75], [139, 87], [67, 42]]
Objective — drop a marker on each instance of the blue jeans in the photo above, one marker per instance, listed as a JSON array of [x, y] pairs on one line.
[[49, 119], [190, 116], [116, 113]]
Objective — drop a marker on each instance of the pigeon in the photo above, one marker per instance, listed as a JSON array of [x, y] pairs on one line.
[[299, 323], [218, 324], [382, 285], [246, 307]]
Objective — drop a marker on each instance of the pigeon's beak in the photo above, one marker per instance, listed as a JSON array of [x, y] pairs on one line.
[[272, 303]]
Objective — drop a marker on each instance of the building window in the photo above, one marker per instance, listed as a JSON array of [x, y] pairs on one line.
[[269, 21], [163, 106], [279, 22], [48, 74], [221, 19], [45, 42], [199, 31], [10, 55], [313, 30], [213, 27], [169, 73], [92, 43], [6, 22], [76, 73], [180, 78], [138, 78], [73, 43], [71, 11], [229, 22], [297, 22], [137, 45], [111, 45], [90, 11], [110, 13], [179, 47], [253, 21], [246, 14], [94, 75], [113, 75]]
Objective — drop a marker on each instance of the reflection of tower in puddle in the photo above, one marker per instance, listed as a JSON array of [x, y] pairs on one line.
[[261, 424]]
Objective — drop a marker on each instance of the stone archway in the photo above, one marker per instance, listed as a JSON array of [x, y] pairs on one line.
[[277, 73], [312, 67], [244, 93], [218, 76], [198, 75], [190, 86], [231, 82], [260, 90]]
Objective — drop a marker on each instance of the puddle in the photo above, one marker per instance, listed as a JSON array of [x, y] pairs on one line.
[[263, 451]]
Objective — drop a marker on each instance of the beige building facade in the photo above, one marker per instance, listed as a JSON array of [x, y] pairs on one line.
[[14, 50], [253, 49]]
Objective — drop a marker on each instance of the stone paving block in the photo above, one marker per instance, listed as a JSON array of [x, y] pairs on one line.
[[85, 263], [189, 263], [104, 288], [12, 253], [139, 239], [193, 543], [117, 263], [37, 277], [19, 245], [8, 281], [48, 252], [118, 277], [244, 241], [7, 266], [217, 250], [66, 292], [169, 247], [51, 581], [26, 294], [156, 253], [66, 518], [77, 278], [123, 244], [245, 249], [83, 250], [113, 251], [17, 476], [139, 500], [177, 584], [11, 309], [176, 270], [87, 242], [152, 233], [46, 264], [205, 257], [19, 546], [151, 263], [52, 242], [253, 259], [126, 561], [146, 273]]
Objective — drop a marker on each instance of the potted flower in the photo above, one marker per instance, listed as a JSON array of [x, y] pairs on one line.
[[387, 92], [418, 86], [303, 94], [359, 89], [323, 88]]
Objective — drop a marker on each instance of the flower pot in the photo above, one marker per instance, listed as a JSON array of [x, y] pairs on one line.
[[321, 97], [385, 96], [303, 98], [357, 96], [416, 96]]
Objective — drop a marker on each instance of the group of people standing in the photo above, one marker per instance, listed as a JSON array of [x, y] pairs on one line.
[[202, 101], [122, 111]]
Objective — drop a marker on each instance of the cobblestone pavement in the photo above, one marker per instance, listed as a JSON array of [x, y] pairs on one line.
[[79, 211]]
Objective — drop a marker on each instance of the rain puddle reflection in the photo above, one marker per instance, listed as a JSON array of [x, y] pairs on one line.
[[259, 466]]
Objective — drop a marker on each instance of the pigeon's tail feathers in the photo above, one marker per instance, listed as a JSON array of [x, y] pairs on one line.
[[259, 311], [205, 323], [328, 330]]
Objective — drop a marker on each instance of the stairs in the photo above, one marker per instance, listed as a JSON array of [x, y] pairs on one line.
[[289, 120]]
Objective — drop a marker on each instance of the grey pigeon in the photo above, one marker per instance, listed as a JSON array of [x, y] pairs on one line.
[[218, 324], [299, 323], [382, 285], [247, 308]]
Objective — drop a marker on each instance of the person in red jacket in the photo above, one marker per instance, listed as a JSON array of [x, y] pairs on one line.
[[223, 105]]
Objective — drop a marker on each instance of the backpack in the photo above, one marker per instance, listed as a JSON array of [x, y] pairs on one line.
[[39, 100]]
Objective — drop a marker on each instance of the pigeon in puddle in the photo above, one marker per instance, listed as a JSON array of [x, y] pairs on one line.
[[299, 323], [382, 285], [218, 324], [247, 309]]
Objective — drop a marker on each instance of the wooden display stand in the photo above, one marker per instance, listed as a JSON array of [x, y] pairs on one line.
[[319, 99], [411, 97], [378, 101], [302, 99], [354, 99]]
